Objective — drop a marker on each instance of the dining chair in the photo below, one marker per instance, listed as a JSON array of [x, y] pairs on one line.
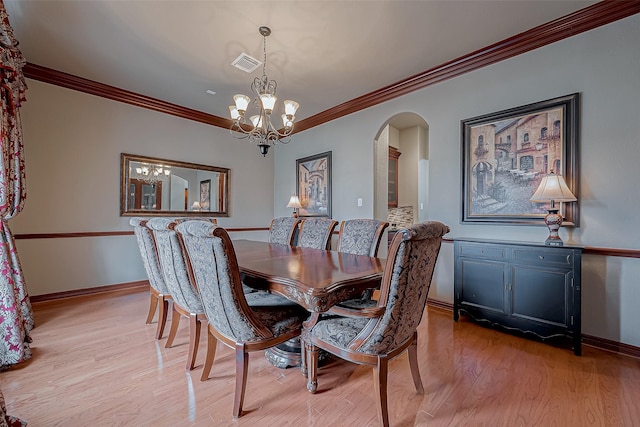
[[214, 267], [283, 230], [316, 233], [158, 290], [361, 236], [375, 335], [186, 299]]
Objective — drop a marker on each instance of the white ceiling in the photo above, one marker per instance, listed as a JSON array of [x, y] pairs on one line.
[[322, 53]]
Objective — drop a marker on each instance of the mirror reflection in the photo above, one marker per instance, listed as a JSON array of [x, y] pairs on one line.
[[151, 186]]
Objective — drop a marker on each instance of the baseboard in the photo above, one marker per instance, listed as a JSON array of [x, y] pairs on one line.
[[441, 305], [609, 345], [129, 286], [588, 340]]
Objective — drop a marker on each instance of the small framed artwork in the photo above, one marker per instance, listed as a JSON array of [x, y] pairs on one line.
[[506, 154], [313, 185], [205, 195]]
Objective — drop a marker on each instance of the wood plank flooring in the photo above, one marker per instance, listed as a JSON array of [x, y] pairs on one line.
[[96, 363]]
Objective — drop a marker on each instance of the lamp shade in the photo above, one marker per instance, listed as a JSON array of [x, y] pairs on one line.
[[553, 188], [242, 102], [294, 202]]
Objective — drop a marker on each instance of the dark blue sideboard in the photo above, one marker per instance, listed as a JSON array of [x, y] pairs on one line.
[[524, 286]]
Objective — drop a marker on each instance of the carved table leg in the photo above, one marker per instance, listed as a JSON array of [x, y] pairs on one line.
[[306, 326]]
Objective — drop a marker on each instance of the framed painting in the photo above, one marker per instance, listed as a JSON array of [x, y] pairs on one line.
[[313, 185], [205, 195], [506, 154]]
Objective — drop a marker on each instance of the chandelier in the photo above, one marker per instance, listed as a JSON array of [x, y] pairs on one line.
[[151, 173], [260, 130]]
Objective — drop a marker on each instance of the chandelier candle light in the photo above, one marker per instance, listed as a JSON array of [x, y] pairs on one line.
[[553, 189], [261, 131]]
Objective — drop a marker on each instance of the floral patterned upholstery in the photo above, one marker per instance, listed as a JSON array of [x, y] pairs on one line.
[[159, 292], [149, 254], [214, 268], [316, 233], [173, 265], [407, 288], [186, 299], [6, 419], [361, 236], [216, 273], [283, 230], [373, 339]]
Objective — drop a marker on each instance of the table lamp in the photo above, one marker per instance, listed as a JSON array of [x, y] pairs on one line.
[[294, 203], [553, 189]]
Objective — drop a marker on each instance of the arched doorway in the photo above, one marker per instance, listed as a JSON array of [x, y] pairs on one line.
[[407, 134]]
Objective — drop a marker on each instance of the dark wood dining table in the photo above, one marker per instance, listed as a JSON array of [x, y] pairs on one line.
[[316, 279]]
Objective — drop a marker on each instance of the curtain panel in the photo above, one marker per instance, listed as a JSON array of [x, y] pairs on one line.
[[16, 315]]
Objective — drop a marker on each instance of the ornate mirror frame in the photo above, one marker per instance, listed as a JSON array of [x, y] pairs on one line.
[[150, 186]]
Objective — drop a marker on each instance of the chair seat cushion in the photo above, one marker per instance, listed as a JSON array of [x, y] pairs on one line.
[[337, 330], [359, 303], [277, 313]]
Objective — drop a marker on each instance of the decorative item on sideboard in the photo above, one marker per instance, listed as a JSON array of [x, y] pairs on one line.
[[294, 202], [553, 189]]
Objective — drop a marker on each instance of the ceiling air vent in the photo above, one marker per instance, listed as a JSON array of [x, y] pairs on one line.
[[246, 63]]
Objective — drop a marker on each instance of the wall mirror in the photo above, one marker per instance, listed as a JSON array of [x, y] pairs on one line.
[[158, 187]]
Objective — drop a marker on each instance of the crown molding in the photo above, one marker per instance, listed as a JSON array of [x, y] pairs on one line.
[[59, 78], [586, 19]]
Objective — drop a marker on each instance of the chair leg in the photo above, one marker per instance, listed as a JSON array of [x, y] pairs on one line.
[[242, 363], [212, 344], [153, 303], [380, 385], [162, 316], [413, 364], [312, 368], [175, 322], [194, 340]]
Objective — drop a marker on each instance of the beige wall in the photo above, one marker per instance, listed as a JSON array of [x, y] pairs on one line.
[[609, 154], [73, 143]]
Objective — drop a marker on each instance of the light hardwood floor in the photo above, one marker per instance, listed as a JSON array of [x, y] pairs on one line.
[[96, 363]]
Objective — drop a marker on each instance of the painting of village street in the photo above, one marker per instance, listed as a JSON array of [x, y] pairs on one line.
[[314, 185], [507, 160]]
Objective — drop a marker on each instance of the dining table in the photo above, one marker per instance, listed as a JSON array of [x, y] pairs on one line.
[[313, 278]]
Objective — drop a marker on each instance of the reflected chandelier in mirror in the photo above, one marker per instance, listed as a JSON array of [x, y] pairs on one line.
[[158, 187]]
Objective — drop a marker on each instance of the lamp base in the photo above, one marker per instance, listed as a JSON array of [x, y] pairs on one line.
[[553, 220]]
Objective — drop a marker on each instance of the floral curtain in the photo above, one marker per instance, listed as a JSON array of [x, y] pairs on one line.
[[16, 316]]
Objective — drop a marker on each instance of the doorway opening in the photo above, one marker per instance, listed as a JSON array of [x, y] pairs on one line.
[[401, 172]]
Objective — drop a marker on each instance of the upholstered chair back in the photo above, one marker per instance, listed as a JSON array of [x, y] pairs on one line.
[[149, 253], [283, 230], [214, 269], [404, 288], [361, 236], [316, 233], [173, 263]]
